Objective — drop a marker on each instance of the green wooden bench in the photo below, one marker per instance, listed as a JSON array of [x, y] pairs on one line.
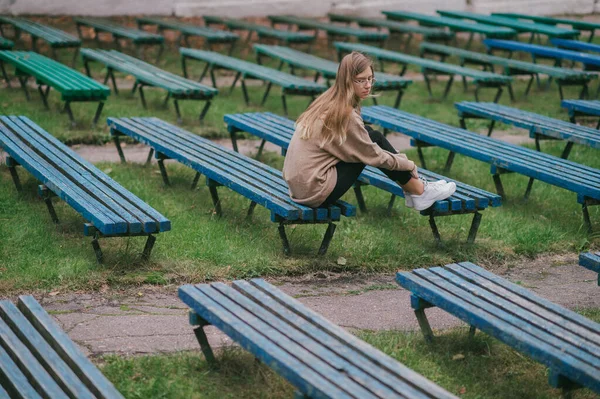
[[55, 38], [145, 74], [510, 67], [263, 32], [430, 34], [580, 25], [519, 26], [332, 30], [6, 44], [71, 84], [210, 36], [39, 360], [290, 84], [455, 25], [327, 69], [138, 37], [430, 68]]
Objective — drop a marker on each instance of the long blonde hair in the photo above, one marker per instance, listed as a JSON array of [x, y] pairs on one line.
[[330, 113]]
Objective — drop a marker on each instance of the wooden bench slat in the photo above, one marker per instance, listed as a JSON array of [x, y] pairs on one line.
[[13, 379], [68, 351], [590, 261], [583, 107], [54, 37], [42, 351], [212, 35], [104, 25], [338, 30], [575, 23], [262, 31]]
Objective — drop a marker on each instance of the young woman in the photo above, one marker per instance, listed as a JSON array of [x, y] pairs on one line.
[[331, 146]]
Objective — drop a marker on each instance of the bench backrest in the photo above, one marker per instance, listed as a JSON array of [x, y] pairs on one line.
[[543, 51], [105, 25], [424, 63], [286, 335], [279, 130], [453, 23], [110, 207], [554, 170], [520, 26], [328, 27], [250, 69], [262, 30], [39, 357], [535, 123], [70, 83], [326, 67], [248, 177], [55, 37], [187, 28], [148, 73]]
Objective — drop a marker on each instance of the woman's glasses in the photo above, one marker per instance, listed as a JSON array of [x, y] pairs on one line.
[[363, 82]]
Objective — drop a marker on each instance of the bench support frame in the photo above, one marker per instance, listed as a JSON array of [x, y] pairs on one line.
[[326, 238], [90, 230]]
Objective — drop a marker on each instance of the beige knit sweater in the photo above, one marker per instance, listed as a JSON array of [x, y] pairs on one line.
[[309, 169]]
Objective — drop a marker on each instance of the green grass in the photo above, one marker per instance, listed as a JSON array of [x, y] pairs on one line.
[[481, 367]]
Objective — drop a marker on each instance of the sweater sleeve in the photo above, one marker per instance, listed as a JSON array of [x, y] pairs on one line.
[[358, 147]]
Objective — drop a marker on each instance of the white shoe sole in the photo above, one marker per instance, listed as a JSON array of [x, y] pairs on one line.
[[441, 196]]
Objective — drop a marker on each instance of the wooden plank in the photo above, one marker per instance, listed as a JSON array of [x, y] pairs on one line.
[[105, 25], [13, 381], [68, 351], [261, 30], [590, 261], [338, 30]]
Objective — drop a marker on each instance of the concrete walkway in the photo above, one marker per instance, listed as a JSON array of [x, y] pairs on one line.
[[152, 319]]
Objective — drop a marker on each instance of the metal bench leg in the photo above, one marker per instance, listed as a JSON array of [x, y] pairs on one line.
[[161, 48], [4, 74], [586, 218], [148, 247], [285, 110], [117, 141], [195, 181], [44, 95], [74, 58], [245, 92], [530, 83], [214, 195], [12, 164], [359, 197], [98, 112], [434, 230], [511, 93], [233, 135], [69, 112], [498, 95], [567, 150], [205, 346], [491, 128], [149, 157], [560, 92], [184, 64], [23, 82], [114, 83], [584, 92], [142, 97], [251, 209], [449, 161], [474, 228], [235, 80], [398, 98], [163, 171], [47, 197], [528, 190], [284, 240], [134, 88], [419, 307], [421, 157], [390, 205], [427, 84], [374, 100], [97, 249], [499, 187], [327, 238], [268, 89], [477, 93], [204, 111], [176, 104], [472, 331], [260, 148]]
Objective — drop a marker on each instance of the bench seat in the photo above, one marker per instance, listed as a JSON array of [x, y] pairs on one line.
[[320, 359], [582, 108], [503, 157], [39, 360], [591, 261], [332, 30], [539, 126], [564, 341], [110, 208], [285, 36], [210, 36], [71, 84], [260, 183], [431, 68], [290, 84], [145, 74], [578, 24], [327, 69], [279, 130], [510, 67]]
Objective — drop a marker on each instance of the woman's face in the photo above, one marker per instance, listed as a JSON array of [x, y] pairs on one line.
[[363, 83]]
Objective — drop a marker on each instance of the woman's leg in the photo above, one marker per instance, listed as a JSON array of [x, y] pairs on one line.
[[347, 173]]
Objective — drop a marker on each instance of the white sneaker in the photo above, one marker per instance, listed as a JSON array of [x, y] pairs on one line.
[[434, 191], [408, 201]]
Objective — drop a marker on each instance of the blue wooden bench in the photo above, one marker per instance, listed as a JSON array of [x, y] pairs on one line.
[[582, 108], [260, 183], [319, 358], [576, 45], [431, 68], [539, 126], [138, 37], [71, 84], [279, 130], [326, 68], [286, 37], [39, 360], [112, 211], [503, 157], [332, 30], [210, 36], [56, 38], [145, 74], [591, 261], [519, 26], [579, 24], [511, 67], [564, 341], [290, 84]]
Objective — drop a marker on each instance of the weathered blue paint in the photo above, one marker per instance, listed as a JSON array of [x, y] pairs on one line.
[[581, 107]]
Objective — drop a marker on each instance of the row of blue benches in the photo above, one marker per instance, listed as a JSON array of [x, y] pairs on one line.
[[320, 359]]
